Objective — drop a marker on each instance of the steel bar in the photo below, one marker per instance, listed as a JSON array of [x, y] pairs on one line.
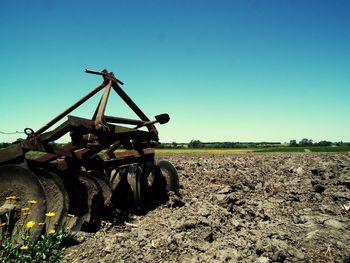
[[70, 109], [102, 107], [103, 73], [129, 101], [98, 106], [123, 120]]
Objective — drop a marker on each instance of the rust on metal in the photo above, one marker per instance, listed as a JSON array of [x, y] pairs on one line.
[[90, 136], [97, 167]]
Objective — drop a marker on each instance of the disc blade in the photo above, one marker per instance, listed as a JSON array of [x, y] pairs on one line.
[[21, 190], [57, 200]]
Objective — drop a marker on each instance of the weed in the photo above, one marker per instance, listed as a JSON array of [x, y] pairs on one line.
[[16, 245]]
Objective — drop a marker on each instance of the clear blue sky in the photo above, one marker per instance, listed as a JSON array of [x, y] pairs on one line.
[[224, 70]]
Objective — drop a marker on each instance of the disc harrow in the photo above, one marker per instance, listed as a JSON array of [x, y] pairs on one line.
[[109, 163]]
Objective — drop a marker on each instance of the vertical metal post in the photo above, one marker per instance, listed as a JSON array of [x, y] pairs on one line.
[[70, 109], [102, 107]]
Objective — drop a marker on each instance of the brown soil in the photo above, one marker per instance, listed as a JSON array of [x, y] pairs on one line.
[[238, 208]]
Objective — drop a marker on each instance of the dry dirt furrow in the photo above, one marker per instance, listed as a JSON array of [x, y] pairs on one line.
[[238, 208]]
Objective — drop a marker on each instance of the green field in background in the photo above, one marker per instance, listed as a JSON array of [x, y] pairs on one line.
[[304, 149], [242, 150], [330, 149], [280, 149], [202, 151], [286, 149]]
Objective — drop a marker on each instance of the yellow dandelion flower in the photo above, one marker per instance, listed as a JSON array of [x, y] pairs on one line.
[[26, 213], [32, 202], [30, 224], [2, 224], [41, 223], [50, 214], [11, 197], [25, 209], [70, 215], [23, 247], [52, 231]]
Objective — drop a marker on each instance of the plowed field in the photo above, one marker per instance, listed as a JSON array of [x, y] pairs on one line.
[[286, 207]]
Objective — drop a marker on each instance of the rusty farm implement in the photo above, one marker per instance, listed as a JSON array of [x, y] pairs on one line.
[[109, 163]]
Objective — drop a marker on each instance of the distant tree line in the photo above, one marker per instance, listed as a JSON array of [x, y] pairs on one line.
[[220, 145], [195, 144], [308, 142]]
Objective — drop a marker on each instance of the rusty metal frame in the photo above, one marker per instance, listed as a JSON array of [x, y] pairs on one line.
[[90, 136], [99, 118]]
